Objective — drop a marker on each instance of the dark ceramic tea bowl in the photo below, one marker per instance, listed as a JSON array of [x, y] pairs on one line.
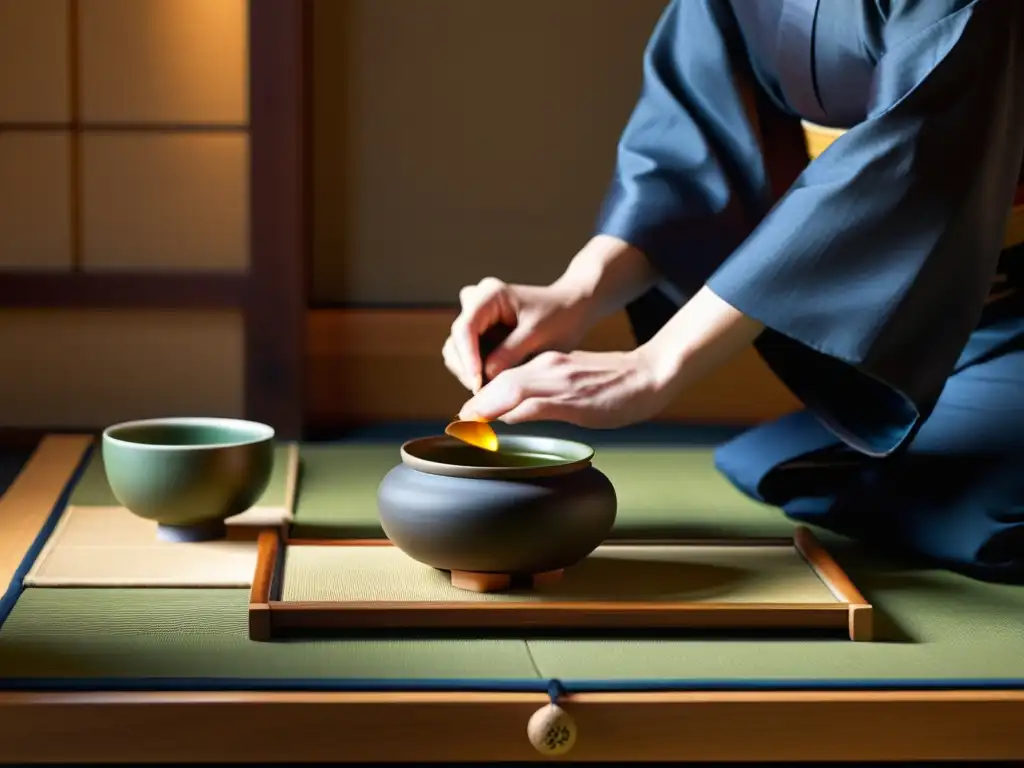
[[536, 505], [188, 474]]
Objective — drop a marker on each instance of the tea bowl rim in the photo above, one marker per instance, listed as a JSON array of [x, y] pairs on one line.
[[563, 466], [259, 433]]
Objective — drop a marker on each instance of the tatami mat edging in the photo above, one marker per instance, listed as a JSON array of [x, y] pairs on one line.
[[16, 586]]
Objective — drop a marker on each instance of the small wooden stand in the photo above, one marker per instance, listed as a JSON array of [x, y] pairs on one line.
[[844, 609]]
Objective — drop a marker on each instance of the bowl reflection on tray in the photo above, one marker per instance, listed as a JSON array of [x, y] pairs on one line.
[[607, 578]]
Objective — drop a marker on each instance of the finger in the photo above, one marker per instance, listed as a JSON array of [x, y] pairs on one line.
[[541, 409], [511, 388], [495, 399], [466, 348], [481, 308], [490, 404], [451, 359], [454, 364]]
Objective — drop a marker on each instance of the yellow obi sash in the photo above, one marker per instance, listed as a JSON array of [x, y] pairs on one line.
[[818, 138]]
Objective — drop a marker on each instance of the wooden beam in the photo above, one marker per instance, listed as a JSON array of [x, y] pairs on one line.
[[370, 365], [747, 727], [279, 214], [80, 127], [27, 504], [122, 290]]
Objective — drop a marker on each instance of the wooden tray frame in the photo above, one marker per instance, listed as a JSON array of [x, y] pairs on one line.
[[271, 618]]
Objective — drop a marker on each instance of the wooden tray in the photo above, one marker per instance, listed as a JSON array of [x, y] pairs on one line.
[[736, 584]]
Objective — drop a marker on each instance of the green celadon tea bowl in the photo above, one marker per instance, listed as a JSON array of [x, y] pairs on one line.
[[188, 475], [536, 505]]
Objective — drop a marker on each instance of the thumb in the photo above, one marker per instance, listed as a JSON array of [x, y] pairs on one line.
[[517, 346]]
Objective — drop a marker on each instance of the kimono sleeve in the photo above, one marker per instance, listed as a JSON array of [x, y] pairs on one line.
[[689, 182], [872, 271]]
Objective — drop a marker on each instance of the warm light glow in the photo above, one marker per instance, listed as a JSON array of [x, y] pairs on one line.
[[165, 61], [476, 433]]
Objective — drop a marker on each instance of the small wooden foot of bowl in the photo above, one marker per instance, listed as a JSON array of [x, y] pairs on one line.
[[498, 582]]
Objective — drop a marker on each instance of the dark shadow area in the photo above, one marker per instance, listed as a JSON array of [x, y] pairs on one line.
[[604, 579], [888, 629], [12, 460], [20, 660], [513, 764], [873, 574], [626, 530]]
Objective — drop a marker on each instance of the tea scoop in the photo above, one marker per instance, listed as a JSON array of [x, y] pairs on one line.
[[479, 434]]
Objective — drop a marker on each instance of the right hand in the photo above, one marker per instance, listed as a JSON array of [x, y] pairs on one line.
[[544, 318]]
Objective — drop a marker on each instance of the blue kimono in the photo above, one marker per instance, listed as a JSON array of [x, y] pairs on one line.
[[890, 305]]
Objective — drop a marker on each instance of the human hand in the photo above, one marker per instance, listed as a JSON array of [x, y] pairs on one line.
[[597, 390], [552, 317], [605, 390]]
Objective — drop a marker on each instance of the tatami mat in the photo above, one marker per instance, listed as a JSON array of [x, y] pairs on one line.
[[932, 626], [111, 547], [737, 574], [98, 543], [663, 492]]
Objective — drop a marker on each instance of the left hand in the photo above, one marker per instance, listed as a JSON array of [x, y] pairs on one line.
[[596, 390]]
